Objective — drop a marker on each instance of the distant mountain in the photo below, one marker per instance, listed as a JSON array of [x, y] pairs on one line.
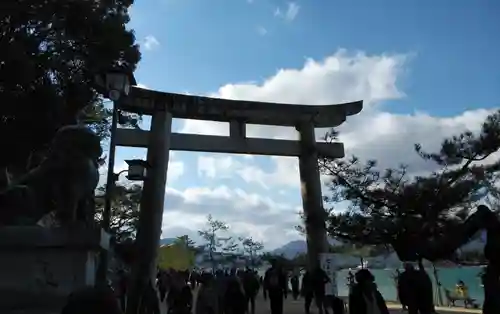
[[297, 247], [291, 249], [167, 241]]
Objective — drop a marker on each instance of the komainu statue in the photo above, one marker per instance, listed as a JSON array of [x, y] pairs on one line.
[[63, 183]]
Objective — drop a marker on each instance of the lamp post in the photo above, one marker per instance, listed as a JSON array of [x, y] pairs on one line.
[[137, 171], [114, 84]]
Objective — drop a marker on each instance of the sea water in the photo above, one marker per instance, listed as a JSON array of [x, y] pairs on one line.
[[447, 276]]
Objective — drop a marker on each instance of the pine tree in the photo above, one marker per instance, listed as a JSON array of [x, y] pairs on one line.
[[396, 207]]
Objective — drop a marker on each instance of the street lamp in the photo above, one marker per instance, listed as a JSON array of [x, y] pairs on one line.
[[137, 169], [114, 84]]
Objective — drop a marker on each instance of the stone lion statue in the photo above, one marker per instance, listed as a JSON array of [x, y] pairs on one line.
[[62, 184]]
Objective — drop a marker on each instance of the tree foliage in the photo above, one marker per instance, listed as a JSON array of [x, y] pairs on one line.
[[397, 207], [125, 206], [186, 241], [50, 52], [251, 250], [214, 244]]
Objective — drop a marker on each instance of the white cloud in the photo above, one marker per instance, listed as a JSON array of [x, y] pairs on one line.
[[374, 133], [342, 77], [338, 78], [217, 167], [150, 42], [291, 12], [261, 30], [248, 214], [286, 173], [175, 170]]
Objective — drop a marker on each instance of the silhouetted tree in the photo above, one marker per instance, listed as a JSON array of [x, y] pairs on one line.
[[251, 250], [397, 208], [187, 242], [214, 243], [50, 52], [125, 206]]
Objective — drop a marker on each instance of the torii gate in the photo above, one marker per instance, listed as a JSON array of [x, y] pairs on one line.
[[163, 107]]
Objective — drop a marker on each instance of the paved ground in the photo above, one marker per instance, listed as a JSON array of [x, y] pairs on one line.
[[297, 307]]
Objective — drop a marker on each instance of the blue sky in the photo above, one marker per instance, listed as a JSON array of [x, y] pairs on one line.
[[426, 70]]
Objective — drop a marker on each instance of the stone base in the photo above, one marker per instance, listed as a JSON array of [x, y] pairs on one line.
[[40, 267]]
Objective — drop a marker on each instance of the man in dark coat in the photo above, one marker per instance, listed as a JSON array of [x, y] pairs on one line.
[[415, 290], [275, 286], [313, 287], [364, 297], [251, 287], [406, 288]]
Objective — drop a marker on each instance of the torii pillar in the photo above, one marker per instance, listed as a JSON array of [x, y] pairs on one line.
[[312, 199]]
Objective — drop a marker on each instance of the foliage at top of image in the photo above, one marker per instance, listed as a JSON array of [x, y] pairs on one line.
[[50, 52], [397, 208]]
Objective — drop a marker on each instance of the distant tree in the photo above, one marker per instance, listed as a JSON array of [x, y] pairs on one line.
[[50, 53], [186, 241], [214, 243], [397, 208], [125, 207], [229, 250], [251, 250]]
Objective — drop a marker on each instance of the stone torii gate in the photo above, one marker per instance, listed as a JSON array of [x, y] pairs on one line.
[[163, 107]]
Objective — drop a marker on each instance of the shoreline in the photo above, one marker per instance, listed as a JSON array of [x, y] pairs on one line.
[[454, 309], [392, 305]]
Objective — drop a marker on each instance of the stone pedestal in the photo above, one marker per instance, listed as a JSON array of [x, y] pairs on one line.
[[40, 267]]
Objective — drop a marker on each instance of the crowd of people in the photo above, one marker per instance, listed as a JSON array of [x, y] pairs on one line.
[[221, 292], [235, 291], [414, 288]]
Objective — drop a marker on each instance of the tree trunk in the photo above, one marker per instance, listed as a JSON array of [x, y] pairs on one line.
[[438, 297]]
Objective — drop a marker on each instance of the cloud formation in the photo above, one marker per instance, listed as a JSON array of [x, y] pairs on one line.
[[246, 213], [150, 42], [373, 134], [291, 12]]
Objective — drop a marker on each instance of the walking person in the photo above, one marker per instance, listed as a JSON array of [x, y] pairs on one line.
[[365, 297], [207, 301], [275, 286], [234, 298], [251, 287], [220, 286], [294, 281], [415, 290], [313, 287], [180, 297]]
